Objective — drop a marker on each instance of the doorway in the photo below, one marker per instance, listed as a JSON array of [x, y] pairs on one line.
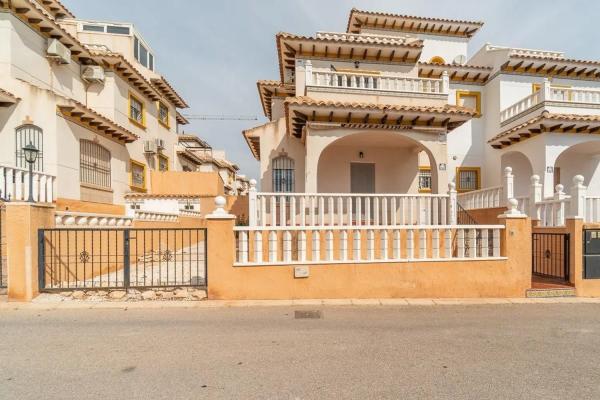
[[362, 178]]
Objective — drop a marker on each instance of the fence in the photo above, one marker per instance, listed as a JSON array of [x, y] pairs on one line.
[[14, 185], [366, 244], [551, 255], [343, 209], [492, 197], [121, 258], [3, 265]]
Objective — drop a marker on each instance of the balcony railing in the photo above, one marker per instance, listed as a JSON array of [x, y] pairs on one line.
[[14, 185], [549, 93], [390, 83]]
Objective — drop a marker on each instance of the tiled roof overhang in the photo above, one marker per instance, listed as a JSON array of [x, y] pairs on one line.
[[253, 139], [128, 73], [90, 119], [187, 138], [269, 89], [191, 156], [359, 19], [135, 195], [552, 67], [345, 47], [181, 120], [301, 110], [547, 123], [167, 90], [57, 9], [7, 99], [31, 13], [456, 73]]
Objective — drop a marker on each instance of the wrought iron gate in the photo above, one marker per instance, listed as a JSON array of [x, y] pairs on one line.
[[121, 258], [551, 255]]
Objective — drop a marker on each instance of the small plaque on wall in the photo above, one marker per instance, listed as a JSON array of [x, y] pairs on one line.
[[301, 271]]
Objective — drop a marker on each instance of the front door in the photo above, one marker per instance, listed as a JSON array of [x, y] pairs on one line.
[[362, 178]]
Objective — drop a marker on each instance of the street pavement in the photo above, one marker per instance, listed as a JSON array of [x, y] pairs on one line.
[[505, 351]]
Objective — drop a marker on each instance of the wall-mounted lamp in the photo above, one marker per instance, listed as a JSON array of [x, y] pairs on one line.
[[442, 167], [356, 64], [361, 154], [550, 170]]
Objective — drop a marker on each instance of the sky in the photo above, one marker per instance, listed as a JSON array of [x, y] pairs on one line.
[[213, 52]]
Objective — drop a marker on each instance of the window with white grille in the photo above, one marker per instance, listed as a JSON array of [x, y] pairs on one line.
[[94, 164], [283, 174], [424, 179]]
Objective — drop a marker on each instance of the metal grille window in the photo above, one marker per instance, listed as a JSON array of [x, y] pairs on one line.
[[283, 174], [138, 175], [26, 134], [424, 179], [468, 179], [163, 114], [163, 163], [136, 110], [94, 164]]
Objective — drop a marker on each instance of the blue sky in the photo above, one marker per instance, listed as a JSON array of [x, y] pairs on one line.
[[213, 52]]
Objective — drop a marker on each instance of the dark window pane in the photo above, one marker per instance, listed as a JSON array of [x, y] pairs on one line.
[[121, 30], [93, 28]]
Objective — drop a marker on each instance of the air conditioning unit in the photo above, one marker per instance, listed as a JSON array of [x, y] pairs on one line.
[[93, 74], [160, 144], [58, 51], [150, 147]]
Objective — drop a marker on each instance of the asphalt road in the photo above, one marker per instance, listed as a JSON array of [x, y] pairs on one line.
[[438, 352]]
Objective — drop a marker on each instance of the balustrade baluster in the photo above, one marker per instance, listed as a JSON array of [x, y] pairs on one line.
[[447, 243], [460, 243], [343, 245], [410, 244], [316, 246], [258, 247], [273, 210], [393, 211], [396, 253], [321, 210], [435, 243], [340, 211], [302, 246], [331, 210], [302, 210], [282, 211], [329, 246], [422, 243], [356, 252], [272, 246], [383, 242], [293, 210], [370, 245], [243, 247], [376, 211]]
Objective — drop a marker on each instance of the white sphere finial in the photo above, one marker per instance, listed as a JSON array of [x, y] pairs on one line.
[[578, 179], [220, 201], [513, 204], [451, 186], [508, 170], [535, 179], [252, 183], [559, 188]]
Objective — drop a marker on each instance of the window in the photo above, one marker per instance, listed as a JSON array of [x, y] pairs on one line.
[[163, 163], [138, 175], [424, 179], [142, 54], [437, 60], [135, 206], [94, 164], [120, 30], [283, 174], [163, 114], [469, 99], [467, 178], [93, 28], [26, 134], [136, 111]]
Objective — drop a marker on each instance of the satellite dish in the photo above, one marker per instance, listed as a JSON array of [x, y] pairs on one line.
[[459, 59]]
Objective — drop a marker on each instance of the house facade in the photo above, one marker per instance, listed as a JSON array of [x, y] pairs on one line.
[[395, 104]]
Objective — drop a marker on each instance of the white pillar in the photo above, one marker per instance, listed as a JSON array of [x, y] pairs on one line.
[[452, 204], [252, 204], [508, 186], [577, 204], [445, 82], [535, 196]]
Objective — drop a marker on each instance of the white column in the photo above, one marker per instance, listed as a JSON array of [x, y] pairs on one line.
[[577, 203], [452, 204], [252, 204], [535, 196], [445, 82], [508, 186]]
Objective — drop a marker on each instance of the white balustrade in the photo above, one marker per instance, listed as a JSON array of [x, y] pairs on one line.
[[520, 106], [86, 220], [383, 82], [340, 244], [483, 198], [343, 209], [142, 215], [14, 185]]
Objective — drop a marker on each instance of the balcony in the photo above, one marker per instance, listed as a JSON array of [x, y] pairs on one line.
[[356, 83], [552, 99]]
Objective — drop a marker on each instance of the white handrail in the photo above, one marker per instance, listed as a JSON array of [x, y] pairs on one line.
[[383, 82], [82, 219], [520, 106], [483, 198], [14, 185], [142, 215]]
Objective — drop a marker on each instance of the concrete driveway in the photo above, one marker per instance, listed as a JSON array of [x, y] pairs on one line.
[[549, 351]]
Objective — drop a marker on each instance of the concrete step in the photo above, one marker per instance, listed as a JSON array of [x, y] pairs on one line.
[[553, 292]]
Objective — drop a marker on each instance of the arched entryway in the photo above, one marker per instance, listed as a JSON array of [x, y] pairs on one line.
[[377, 162], [521, 169], [580, 159]]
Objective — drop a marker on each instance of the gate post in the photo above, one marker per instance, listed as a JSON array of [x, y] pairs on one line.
[[220, 251], [23, 220], [126, 259]]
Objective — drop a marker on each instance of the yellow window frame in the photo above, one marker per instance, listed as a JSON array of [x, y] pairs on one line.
[[133, 163], [133, 120], [424, 169], [165, 158], [467, 169], [460, 94], [160, 121], [437, 60], [537, 86]]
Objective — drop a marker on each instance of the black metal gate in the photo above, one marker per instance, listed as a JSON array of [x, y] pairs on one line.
[[3, 265], [551, 255], [121, 258]]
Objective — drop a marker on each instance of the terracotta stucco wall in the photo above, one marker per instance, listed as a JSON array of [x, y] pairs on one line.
[[188, 183]]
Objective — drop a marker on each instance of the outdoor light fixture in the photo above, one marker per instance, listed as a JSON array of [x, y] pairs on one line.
[[31, 155], [361, 154]]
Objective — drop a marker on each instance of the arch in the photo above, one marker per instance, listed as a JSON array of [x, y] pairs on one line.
[[24, 135], [395, 157], [94, 164], [579, 159], [283, 174], [437, 60], [522, 170]]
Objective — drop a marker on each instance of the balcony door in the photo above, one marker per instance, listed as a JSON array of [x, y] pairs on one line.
[[362, 178]]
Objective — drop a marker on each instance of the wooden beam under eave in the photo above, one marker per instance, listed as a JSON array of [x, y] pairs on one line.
[[525, 135], [365, 53], [349, 117], [554, 127], [34, 21], [378, 55], [535, 130], [570, 71], [384, 119], [415, 120], [541, 67], [366, 118], [581, 128], [497, 146], [405, 56], [330, 116], [517, 65], [528, 67], [392, 54], [549, 70], [430, 121], [505, 142], [567, 128], [594, 129], [514, 139]]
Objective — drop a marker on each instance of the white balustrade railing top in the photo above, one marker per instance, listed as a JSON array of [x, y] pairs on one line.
[[14, 185], [366, 244], [156, 216], [491, 197], [82, 219], [383, 82]]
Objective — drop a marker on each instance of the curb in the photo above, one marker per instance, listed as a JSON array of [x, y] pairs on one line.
[[304, 302]]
